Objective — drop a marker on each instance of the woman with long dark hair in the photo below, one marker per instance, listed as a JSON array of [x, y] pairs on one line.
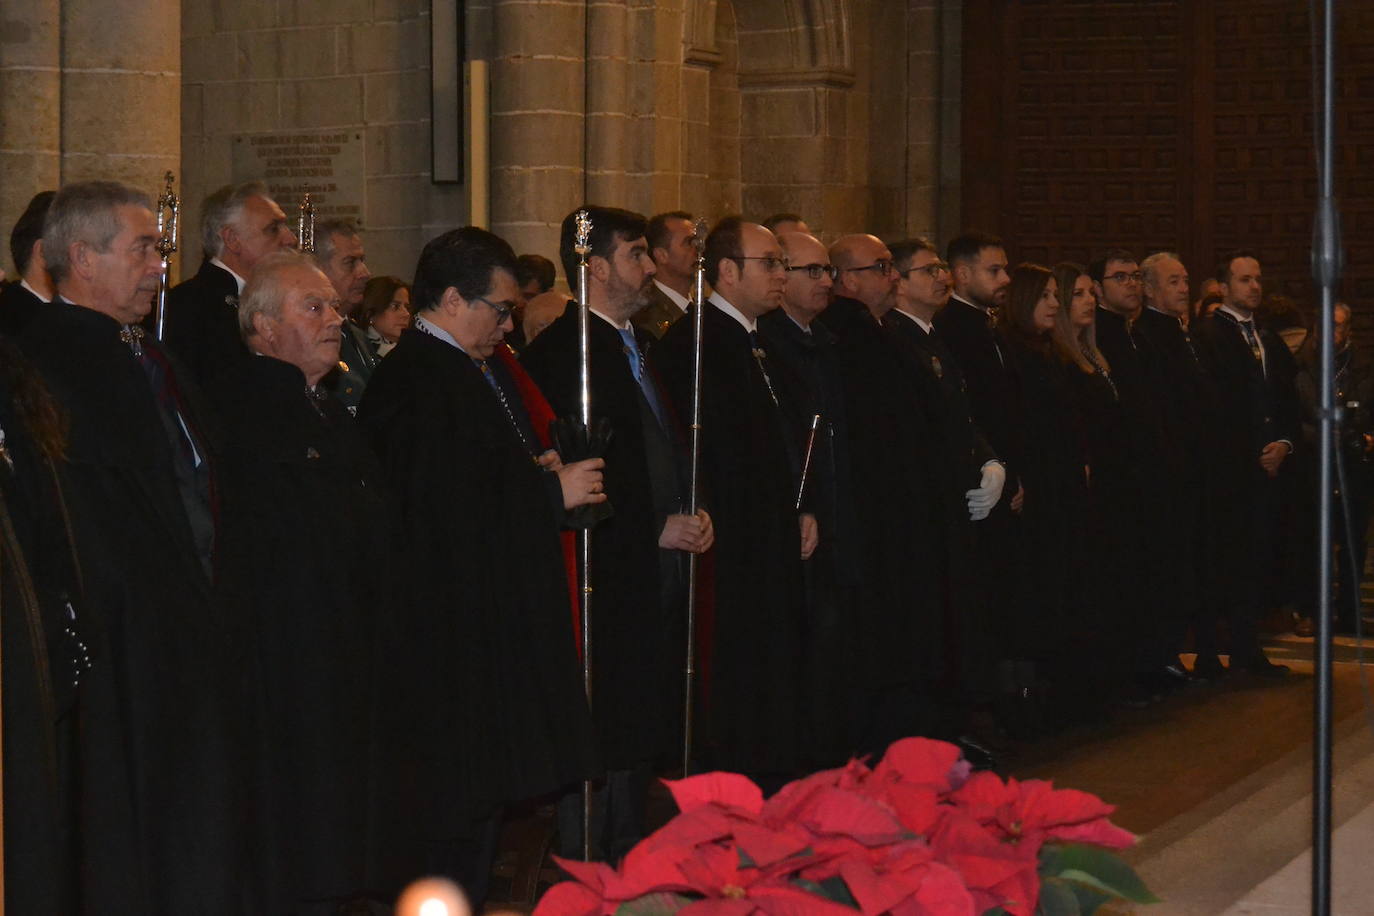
[[1052, 473]]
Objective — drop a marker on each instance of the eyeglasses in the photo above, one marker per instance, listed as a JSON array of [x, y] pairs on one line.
[[814, 271], [934, 269], [502, 311], [770, 263], [883, 267], [1122, 277]]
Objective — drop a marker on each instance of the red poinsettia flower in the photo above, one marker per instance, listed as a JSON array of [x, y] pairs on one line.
[[907, 881], [1033, 811], [996, 873], [922, 762]]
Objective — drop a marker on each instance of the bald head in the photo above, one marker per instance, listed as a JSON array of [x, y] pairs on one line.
[[865, 272], [805, 296]]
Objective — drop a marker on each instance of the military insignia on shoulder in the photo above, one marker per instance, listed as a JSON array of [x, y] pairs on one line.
[[936, 367]]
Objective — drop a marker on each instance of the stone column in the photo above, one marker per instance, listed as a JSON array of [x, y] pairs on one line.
[[30, 106], [537, 120], [121, 91]]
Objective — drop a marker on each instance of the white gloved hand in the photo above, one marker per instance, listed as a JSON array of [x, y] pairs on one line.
[[988, 492]]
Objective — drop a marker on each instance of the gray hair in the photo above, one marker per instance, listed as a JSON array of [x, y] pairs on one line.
[[1150, 264], [325, 230], [223, 208], [85, 212], [266, 290]]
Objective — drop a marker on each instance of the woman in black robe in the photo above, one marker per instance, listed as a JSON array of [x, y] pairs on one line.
[[1053, 476]]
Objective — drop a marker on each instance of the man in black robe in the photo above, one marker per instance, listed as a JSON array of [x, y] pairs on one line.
[[897, 496], [304, 571], [639, 553], [1186, 400], [754, 710], [239, 226], [481, 689], [339, 253], [1256, 425], [971, 469], [21, 299], [159, 819], [808, 349], [1132, 499]]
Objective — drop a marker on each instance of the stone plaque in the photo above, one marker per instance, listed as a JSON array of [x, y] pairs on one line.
[[326, 164]]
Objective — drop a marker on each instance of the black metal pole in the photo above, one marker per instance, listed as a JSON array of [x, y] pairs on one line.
[[1326, 268]]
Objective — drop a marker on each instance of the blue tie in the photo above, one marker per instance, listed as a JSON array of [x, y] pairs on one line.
[[638, 370]]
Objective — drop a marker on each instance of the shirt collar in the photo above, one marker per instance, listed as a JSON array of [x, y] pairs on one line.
[[676, 297], [924, 325], [225, 267], [37, 295], [433, 330], [1244, 319], [972, 305], [749, 324], [625, 326]]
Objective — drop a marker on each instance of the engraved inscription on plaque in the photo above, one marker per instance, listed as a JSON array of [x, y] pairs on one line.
[[326, 164]]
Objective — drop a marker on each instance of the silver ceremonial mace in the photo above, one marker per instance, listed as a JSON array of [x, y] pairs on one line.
[[582, 245], [168, 209], [689, 667]]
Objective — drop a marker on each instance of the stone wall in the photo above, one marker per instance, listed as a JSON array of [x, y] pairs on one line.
[[838, 109], [269, 65]]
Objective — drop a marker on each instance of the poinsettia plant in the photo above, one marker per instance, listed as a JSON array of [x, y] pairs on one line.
[[916, 835]]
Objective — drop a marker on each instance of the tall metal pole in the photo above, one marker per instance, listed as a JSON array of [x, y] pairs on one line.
[[1326, 270], [693, 496], [168, 211], [583, 246]]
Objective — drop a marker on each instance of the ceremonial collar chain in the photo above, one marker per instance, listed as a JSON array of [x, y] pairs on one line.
[[133, 335]]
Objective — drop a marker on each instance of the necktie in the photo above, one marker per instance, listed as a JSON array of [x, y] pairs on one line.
[[759, 357], [1188, 340], [155, 367], [1248, 329], [505, 402], [641, 374]]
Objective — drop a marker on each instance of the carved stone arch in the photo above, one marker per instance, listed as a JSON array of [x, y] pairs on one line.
[[800, 42]]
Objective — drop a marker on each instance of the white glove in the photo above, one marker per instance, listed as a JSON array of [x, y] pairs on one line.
[[989, 490]]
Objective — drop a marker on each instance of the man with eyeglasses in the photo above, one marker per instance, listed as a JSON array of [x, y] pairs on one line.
[[1256, 425], [1132, 481], [807, 347], [900, 644], [640, 553], [752, 438], [481, 685]]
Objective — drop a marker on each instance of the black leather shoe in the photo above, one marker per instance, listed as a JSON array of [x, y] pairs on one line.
[[1208, 668]]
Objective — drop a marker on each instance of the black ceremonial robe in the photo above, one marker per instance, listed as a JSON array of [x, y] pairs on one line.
[[202, 323], [305, 571], [636, 660], [35, 583], [159, 817], [754, 712], [897, 486], [481, 690], [833, 577], [18, 307]]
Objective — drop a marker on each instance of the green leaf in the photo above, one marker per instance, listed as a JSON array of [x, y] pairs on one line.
[[1057, 899], [996, 911], [1098, 868], [1089, 898], [661, 904]]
